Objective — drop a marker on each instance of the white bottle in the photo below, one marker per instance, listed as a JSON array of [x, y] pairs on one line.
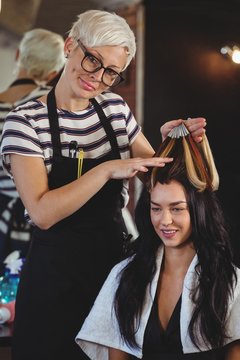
[[7, 312], [5, 315]]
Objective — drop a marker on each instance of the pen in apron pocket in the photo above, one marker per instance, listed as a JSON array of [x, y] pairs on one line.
[[73, 149], [80, 162]]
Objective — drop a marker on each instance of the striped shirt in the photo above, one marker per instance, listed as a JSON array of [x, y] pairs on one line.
[[26, 131], [7, 186]]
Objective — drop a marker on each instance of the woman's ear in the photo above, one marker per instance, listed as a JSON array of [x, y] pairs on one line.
[[69, 46]]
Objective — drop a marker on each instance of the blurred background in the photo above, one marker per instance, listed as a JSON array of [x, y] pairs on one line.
[[180, 70]]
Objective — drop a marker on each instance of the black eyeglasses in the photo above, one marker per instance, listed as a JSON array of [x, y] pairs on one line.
[[92, 64]]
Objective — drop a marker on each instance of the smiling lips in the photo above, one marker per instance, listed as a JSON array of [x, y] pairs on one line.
[[168, 233], [87, 85]]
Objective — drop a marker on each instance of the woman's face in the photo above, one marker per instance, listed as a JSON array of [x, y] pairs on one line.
[[170, 215], [87, 85]]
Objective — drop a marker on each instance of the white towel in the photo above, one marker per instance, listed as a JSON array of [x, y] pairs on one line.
[[100, 329]]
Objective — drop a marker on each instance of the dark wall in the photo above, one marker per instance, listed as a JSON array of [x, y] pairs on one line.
[[186, 76]]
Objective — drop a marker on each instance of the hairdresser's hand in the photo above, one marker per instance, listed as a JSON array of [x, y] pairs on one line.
[[194, 125], [127, 168]]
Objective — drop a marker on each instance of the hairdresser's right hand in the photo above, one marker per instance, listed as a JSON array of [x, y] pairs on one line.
[[128, 168]]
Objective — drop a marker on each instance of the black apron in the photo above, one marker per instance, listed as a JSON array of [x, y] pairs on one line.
[[68, 263]]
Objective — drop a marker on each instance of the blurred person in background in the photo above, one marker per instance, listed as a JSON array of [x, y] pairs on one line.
[[39, 59]]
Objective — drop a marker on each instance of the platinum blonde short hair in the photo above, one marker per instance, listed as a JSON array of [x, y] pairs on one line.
[[101, 28], [41, 52]]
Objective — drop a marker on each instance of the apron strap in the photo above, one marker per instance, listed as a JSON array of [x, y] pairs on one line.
[[54, 125], [53, 122]]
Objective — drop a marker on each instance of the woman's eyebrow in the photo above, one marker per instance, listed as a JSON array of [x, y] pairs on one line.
[[172, 203], [101, 58]]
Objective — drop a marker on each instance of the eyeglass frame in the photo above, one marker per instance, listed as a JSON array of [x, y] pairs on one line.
[[86, 54]]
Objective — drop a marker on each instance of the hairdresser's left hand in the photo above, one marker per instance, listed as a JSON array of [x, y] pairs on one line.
[[194, 125]]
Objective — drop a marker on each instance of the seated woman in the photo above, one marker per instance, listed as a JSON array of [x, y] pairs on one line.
[[178, 296]]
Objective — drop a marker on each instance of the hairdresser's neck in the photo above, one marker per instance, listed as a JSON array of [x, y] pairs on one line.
[[67, 99], [178, 260]]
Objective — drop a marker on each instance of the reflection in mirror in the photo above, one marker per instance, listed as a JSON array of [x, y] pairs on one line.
[[24, 14]]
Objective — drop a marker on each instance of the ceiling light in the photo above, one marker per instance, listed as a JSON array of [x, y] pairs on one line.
[[233, 52]]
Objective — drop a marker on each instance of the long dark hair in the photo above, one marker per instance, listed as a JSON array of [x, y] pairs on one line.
[[215, 267]]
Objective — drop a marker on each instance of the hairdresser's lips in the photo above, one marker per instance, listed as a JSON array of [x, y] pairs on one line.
[[168, 234], [87, 86]]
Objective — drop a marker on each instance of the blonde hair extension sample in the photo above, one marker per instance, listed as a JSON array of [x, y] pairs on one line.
[[210, 160], [195, 159], [195, 169]]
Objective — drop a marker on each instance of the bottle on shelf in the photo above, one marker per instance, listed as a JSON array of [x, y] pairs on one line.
[[7, 312], [8, 286]]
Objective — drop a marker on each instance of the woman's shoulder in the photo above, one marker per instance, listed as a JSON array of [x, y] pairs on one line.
[[111, 98], [29, 107], [117, 269], [114, 275], [27, 114]]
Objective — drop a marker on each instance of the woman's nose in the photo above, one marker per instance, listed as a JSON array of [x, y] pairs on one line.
[[98, 75], [166, 218]]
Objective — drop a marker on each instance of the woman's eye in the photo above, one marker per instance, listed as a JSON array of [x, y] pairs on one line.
[[111, 72], [155, 209], [177, 209], [93, 60]]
